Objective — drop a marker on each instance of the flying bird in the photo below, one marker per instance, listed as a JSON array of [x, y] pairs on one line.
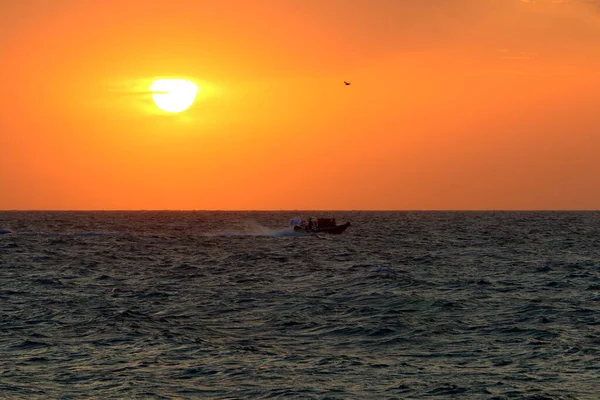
[[346, 83]]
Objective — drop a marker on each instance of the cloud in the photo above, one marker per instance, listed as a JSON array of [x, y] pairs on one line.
[[590, 3]]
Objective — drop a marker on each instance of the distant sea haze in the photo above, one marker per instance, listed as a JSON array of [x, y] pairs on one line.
[[419, 305]]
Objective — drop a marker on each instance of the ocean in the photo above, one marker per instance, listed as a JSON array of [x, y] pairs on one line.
[[235, 305]]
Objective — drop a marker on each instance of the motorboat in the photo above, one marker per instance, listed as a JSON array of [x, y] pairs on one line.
[[318, 225]]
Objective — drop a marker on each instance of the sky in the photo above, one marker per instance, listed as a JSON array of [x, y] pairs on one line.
[[453, 105]]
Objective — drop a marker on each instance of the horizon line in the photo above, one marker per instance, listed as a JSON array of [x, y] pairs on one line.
[[309, 210]]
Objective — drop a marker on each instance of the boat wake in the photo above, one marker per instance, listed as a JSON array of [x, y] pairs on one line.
[[253, 228], [272, 233]]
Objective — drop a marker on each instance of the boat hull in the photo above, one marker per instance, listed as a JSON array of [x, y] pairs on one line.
[[334, 230]]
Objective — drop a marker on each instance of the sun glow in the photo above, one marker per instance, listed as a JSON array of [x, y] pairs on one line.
[[173, 95]]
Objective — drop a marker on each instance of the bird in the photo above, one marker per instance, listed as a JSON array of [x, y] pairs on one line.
[[346, 83]]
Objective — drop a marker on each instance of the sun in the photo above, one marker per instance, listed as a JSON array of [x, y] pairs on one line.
[[173, 95]]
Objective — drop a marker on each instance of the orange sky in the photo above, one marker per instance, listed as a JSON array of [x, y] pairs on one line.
[[454, 104]]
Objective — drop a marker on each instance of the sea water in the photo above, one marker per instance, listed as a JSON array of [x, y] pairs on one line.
[[235, 305]]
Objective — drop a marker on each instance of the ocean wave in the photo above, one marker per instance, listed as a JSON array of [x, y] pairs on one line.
[[70, 234], [407, 305]]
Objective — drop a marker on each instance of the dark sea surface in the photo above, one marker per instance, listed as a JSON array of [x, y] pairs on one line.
[[234, 305]]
